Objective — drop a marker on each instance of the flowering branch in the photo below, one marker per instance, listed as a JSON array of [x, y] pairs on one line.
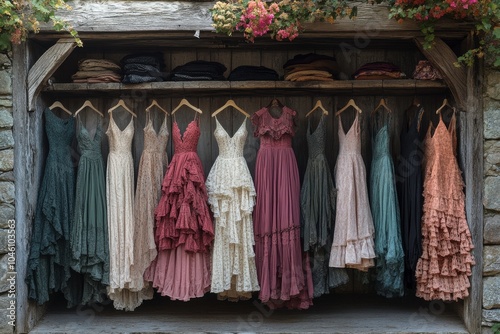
[[19, 17]]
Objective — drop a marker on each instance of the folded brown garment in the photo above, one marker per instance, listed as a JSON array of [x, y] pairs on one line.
[[326, 64], [99, 63], [94, 74], [96, 68], [97, 80], [312, 78], [316, 73], [394, 75]]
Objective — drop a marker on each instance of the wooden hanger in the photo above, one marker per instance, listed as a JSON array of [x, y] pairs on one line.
[[88, 104], [350, 103], [316, 106], [186, 103], [382, 104], [155, 104], [230, 103], [58, 104], [444, 105], [122, 104]]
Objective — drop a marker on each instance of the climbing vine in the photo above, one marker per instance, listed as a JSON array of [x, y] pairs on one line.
[[20, 17]]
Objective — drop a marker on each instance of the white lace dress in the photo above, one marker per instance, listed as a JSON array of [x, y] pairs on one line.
[[231, 195]]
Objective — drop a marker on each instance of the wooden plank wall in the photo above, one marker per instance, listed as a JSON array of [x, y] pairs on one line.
[[406, 58]]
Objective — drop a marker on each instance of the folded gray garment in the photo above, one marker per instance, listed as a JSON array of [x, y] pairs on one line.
[[134, 78]]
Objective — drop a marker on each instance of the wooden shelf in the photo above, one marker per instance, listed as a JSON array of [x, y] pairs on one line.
[[353, 87]]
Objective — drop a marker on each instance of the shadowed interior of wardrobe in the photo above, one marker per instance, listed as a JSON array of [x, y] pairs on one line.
[[356, 294]]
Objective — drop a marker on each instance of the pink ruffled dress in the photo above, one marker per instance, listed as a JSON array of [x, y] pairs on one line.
[[282, 268], [444, 268], [184, 231]]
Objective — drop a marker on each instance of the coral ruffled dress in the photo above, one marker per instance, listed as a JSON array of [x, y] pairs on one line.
[[444, 268]]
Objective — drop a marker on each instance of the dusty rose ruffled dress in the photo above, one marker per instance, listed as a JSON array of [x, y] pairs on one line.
[[184, 230], [444, 268], [283, 269]]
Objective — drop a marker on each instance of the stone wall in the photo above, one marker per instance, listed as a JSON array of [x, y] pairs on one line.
[[6, 191], [491, 254]]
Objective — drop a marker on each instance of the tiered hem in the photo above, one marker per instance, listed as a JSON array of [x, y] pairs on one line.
[[357, 254]]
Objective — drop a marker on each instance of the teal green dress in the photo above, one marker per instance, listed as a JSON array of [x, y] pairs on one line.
[[385, 211], [89, 234], [49, 259]]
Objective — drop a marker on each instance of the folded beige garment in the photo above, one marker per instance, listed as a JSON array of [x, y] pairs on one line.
[[93, 74], [97, 68], [316, 73], [97, 80], [99, 63], [312, 78]]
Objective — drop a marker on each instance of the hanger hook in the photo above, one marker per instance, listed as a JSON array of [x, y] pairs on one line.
[[352, 90]]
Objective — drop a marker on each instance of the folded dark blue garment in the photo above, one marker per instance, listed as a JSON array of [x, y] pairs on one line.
[[195, 77], [249, 73], [201, 66], [150, 58], [134, 78]]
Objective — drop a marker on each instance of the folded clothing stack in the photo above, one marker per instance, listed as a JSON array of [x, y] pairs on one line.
[[310, 67], [97, 70], [198, 70], [253, 73], [425, 71], [378, 70], [143, 67]]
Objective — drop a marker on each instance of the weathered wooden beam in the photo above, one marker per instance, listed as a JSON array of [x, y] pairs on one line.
[[372, 21], [45, 66], [443, 58], [356, 87]]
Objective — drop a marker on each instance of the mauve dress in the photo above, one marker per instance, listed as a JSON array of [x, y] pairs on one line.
[[283, 269], [184, 231]]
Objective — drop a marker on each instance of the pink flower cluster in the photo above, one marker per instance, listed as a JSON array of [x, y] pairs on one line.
[[289, 33], [256, 19]]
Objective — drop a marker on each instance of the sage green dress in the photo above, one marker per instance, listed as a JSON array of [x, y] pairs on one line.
[[89, 234], [49, 260]]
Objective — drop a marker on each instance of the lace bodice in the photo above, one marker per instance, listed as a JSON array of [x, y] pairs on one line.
[[90, 147], [120, 140], [188, 141], [381, 141], [350, 142], [274, 131], [60, 133], [316, 139], [153, 141], [230, 147]]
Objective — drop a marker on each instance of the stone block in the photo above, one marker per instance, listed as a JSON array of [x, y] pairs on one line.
[[7, 192], [6, 101], [5, 60], [491, 260], [490, 317], [492, 229], [4, 273], [6, 120], [7, 212], [7, 176], [5, 328], [6, 139], [493, 84], [491, 119], [6, 160], [491, 297], [5, 82], [491, 199], [492, 158], [4, 245]]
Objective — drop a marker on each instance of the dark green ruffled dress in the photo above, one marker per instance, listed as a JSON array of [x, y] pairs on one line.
[[50, 256], [89, 234]]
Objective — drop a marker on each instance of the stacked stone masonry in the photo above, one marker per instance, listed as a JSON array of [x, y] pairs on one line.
[[491, 201], [6, 189]]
